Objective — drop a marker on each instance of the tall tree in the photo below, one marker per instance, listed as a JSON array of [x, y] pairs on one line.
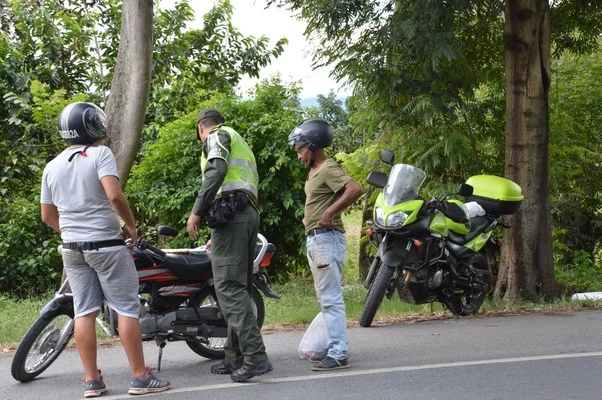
[[527, 261], [130, 88]]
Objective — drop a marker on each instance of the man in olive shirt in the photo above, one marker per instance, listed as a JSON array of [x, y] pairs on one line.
[[230, 178], [329, 191]]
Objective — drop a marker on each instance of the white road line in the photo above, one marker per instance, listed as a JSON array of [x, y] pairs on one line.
[[353, 372]]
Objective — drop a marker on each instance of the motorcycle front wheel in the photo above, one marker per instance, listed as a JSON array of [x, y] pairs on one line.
[[43, 343], [469, 302], [376, 294], [213, 347]]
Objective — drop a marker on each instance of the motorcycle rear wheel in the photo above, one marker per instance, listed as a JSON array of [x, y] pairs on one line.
[[213, 348], [471, 300], [376, 294], [42, 344]]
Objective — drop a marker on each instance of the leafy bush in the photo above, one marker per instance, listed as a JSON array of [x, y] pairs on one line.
[[30, 261], [583, 275]]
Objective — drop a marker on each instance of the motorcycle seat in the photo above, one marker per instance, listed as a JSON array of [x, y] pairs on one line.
[[478, 225], [189, 267]]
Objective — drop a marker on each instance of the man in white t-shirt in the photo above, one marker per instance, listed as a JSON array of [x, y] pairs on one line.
[[81, 198]]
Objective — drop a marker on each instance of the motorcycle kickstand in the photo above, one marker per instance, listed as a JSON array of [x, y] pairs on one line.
[[161, 343]]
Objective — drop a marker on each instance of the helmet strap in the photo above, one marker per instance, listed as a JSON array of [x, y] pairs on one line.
[[82, 152]]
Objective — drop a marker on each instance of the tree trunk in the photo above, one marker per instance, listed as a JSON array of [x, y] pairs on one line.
[[130, 88], [526, 268]]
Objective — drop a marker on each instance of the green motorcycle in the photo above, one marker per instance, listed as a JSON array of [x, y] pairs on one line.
[[438, 250]]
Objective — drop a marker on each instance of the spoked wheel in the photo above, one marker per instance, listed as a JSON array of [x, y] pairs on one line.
[[213, 347], [43, 343], [376, 294], [469, 302]]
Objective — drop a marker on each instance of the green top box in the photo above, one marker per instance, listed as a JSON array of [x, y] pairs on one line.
[[495, 194]]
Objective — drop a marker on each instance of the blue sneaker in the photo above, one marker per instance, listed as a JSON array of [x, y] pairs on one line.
[[329, 363], [148, 384], [94, 387], [316, 358]]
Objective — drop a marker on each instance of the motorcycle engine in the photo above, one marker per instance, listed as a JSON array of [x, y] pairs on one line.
[[426, 274], [150, 323], [436, 279], [184, 321]]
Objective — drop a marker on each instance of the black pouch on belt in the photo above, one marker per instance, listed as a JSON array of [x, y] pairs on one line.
[[238, 201], [219, 214]]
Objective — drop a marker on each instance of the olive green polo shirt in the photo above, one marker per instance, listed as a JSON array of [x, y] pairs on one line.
[[321, 191]]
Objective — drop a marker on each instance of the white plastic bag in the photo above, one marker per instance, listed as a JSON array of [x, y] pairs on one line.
[[474, 209], [315, 338]]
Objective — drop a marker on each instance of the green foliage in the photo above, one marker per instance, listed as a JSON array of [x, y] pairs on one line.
[[576, 151], [28, 250], [190, 66], [332, 110], [163, 186], [580, 276]]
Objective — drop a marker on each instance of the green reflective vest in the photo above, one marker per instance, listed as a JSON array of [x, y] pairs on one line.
[[242, 168]]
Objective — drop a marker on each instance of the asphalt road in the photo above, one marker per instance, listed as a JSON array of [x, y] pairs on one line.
[[534, 356]]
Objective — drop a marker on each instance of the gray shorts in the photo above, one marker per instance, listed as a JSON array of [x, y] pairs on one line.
[[107, 274]]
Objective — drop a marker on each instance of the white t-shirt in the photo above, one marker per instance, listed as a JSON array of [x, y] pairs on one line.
[[85, 212]]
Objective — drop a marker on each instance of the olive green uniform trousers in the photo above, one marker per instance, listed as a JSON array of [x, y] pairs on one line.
[[232, 254]]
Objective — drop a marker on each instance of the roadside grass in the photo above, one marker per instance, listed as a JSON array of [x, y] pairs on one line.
[[298, 304], [17, 316]]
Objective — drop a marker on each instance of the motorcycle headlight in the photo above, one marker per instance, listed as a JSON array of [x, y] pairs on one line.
[[396, 219], [380, 215]]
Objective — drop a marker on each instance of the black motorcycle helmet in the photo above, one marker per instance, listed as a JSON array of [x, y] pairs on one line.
[[82, 123], [315, 133]]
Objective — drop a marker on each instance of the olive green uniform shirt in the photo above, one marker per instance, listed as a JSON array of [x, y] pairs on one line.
[[321, 191]]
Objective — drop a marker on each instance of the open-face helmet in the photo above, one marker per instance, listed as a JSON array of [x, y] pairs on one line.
[[315, 133], [82, 123]]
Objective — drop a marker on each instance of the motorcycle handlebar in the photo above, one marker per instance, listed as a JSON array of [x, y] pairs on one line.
[[143, 244]]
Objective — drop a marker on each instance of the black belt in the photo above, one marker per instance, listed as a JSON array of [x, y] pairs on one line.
[[93, 245], [318, 231]]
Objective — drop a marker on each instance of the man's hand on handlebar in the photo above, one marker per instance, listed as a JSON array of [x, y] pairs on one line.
[[129, 232]]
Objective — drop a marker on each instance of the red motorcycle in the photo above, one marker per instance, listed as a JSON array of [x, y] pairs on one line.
[[178, 302]]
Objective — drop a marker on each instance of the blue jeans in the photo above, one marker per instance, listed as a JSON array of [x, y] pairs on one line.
[[326, 253]]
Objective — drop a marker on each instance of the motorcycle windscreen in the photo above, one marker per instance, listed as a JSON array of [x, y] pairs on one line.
[[403, 184]]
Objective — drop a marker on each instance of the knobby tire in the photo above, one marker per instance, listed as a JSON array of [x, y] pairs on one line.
[[376, 294]]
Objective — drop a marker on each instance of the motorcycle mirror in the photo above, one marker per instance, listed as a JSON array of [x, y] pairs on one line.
[[465, 190], [167, 231], [377, 179], [387, 156], [452, 211]]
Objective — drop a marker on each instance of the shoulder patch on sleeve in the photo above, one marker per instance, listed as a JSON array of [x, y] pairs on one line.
[[215, 149]]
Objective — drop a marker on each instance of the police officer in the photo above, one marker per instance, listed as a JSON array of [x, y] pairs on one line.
[[227, 200]]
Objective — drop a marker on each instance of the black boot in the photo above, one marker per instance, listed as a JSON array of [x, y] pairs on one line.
[[249, 370], [225, 367]]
